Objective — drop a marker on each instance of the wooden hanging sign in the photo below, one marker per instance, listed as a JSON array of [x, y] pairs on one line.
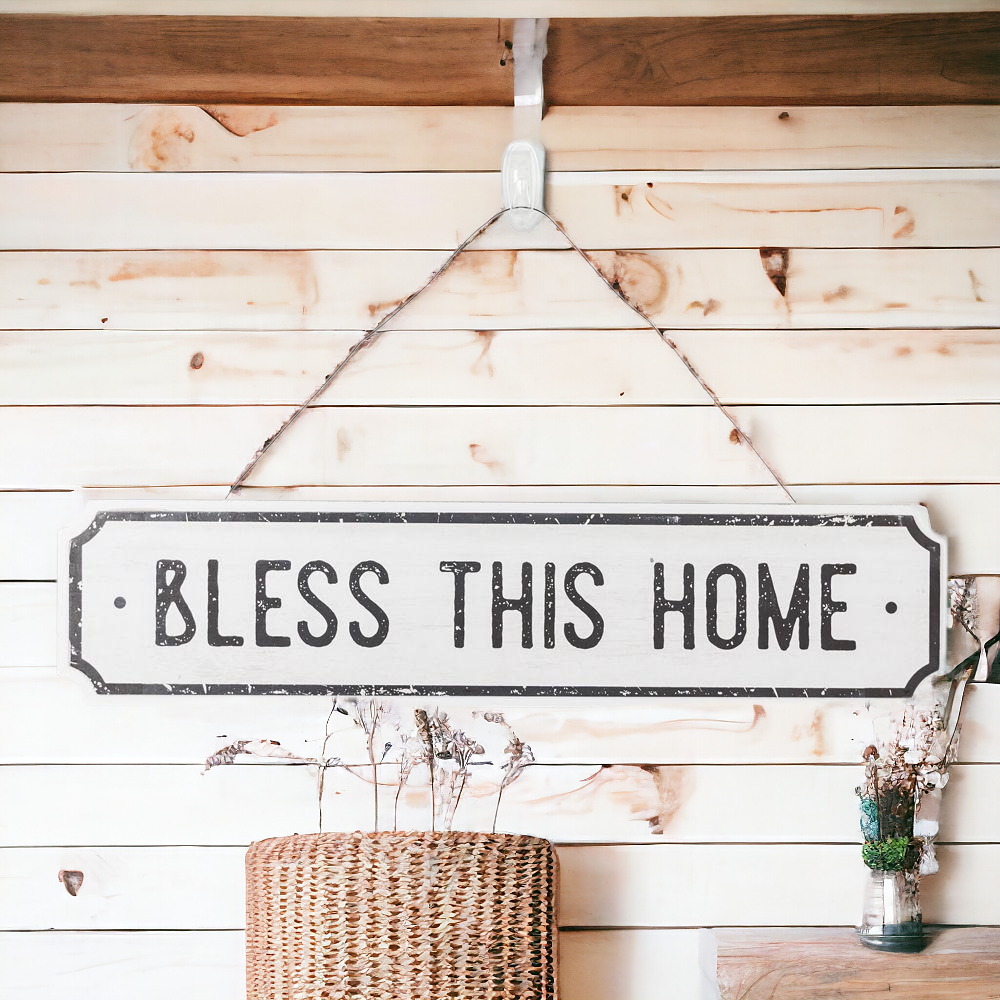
[[526, 599]]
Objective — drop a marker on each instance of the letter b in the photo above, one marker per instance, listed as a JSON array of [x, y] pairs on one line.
[[169, 594]]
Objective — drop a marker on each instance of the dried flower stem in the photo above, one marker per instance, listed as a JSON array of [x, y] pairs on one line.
[[424, 732], [461, 749], [395, 802], [496, 811], [371, 757], [519, 756], [369, 715], [413, 752], [321, 774], [453, 805]]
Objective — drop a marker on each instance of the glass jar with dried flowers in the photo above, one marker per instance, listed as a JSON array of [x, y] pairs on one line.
[[905, 771]]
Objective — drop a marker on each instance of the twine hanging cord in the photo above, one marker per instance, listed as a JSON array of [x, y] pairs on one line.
[[370, 336]]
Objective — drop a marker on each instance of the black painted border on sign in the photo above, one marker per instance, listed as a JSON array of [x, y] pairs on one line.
[[769, 520]]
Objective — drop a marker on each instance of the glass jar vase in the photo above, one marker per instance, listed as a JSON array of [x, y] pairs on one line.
[[891, 920]]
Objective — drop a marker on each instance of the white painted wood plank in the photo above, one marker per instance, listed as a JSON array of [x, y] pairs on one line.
[[618, 210], [496, 446], [50, 718], [27, 616], [161, 805], [209, 965], [123, 888], [731, 803], [702, 885], [177, 804], [577, 367], [674, 885], [646, 963], [593, 965], [496, 290], [971, 810], [954, 892], [30, 521], [614, 964], [135, 137]]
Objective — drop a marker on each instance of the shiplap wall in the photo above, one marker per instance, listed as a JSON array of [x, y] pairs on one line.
[[171, 282]]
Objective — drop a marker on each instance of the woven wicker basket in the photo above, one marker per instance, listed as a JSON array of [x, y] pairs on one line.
[[388, 916]]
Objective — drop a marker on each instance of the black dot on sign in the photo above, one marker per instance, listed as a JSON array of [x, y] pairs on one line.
[[891, 607], [119, 603]]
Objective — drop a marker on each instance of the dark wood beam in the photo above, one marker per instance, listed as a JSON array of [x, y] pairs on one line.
[[765, 60], [255, 60]]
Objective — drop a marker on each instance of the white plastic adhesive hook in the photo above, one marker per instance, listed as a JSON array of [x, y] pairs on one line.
[[523, 181], [522, 171]]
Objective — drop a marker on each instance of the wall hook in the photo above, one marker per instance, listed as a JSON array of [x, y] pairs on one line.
[[522, 171]]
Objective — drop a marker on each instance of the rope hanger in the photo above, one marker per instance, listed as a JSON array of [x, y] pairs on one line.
[[370, 336], [523, 185]]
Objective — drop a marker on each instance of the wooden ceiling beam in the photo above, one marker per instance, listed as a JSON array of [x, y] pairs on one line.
[[915, 59]]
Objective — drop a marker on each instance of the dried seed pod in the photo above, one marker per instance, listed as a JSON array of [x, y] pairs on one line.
[[252, 748], [441, 735], [496, 717], [424, 729], [227, 754]]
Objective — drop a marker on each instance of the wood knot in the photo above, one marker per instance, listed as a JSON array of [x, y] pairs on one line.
[[775, 263], [72, 880]]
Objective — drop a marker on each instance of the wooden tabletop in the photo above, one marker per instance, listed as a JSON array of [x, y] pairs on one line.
[[829, 963]]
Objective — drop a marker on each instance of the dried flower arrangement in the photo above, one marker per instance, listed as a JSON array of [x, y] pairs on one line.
[[447, 752], [906, 770]]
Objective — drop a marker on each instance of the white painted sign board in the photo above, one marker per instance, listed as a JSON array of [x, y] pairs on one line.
[[499, 599]]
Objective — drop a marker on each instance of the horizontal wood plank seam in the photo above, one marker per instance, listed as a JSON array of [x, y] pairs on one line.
[[444, 405]]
